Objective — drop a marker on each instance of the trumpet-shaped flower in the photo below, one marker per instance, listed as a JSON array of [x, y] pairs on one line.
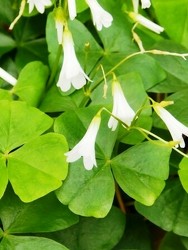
[[72, 9], [100, 16], [86, 147], [71, 71], [7, 77], [39, 4], [175, 127], [146, 22], [121, 108]]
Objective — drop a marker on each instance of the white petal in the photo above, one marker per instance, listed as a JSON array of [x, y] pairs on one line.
[[86, 146], [72, 9], [112, 123], [59, 28], [121, 108], [135, 5], [88, 162], [100, 16], [145, 4], [71, 71], [176, 128], [39, 4], [79, 80], [7, 77], [73, 155], [146, 22]]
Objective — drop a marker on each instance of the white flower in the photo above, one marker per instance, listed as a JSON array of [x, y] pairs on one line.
[[145, 4], [121, 108], [7, 77], [71, 71], [38, 4], [72, 9], [86, 147], [146, 22], [100, 16], [176, 128]]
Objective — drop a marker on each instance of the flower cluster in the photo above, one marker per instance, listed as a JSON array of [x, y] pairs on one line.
[[72, 74]]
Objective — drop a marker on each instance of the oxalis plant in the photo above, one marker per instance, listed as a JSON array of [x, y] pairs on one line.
[[93, 125]]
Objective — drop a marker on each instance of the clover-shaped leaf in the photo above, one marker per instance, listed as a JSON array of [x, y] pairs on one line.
[[34, 164]]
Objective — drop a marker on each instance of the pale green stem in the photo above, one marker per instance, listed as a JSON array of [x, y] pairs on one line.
[[55, 67], [145, 132]]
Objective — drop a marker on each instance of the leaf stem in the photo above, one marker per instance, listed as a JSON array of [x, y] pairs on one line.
[[119, 199]]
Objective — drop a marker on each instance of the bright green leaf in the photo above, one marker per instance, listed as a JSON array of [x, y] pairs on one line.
[[28, 242], [20, 123], [141, 170], [39, 166], [31, 83], [88, 193], [7, 44]]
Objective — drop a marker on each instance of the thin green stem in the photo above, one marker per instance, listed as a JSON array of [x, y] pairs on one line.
[[145, 132], [55, 67]]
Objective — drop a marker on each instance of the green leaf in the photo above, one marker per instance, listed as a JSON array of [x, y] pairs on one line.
[[88, 193], [174, 65], [19, 217], [141, 170], [183, 173], [39, 166], [31, 83], [5, 95], [92, 234], [34, 50], [175, 27], [55, 101], [169, 212], [28, 242], [20, 123], [7, 44]]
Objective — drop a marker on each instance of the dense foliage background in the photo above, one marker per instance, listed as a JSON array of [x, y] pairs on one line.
[[136, 197]]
